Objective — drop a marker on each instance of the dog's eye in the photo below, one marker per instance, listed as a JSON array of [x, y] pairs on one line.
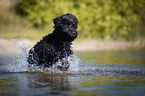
[[75, 26]]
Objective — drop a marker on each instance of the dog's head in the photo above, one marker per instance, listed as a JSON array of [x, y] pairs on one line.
[[65, 27]]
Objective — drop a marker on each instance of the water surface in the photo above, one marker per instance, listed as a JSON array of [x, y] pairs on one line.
[[103, 73]]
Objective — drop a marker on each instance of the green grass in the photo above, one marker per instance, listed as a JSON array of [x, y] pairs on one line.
[[20, 32], [14, 26]]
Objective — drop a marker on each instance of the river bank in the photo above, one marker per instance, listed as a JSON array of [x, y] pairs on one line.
[[89, 45]]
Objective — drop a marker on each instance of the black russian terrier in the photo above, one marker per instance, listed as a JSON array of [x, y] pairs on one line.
[[57, 45]]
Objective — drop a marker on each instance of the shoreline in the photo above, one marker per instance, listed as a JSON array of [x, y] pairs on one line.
[[97, 45], [10, 46]]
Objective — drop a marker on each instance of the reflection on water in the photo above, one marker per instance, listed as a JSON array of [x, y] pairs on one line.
[[111, 85], [97, 73], [131, 57], [34, 84]]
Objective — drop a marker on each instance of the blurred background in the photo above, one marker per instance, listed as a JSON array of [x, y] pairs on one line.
[[115, 20]]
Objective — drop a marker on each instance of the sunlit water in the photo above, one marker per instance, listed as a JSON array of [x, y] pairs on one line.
[[103, 73]]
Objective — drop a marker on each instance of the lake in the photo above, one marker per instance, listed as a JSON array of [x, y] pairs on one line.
[[92, 73]]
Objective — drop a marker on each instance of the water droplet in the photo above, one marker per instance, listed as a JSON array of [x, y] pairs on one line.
[[15, 41]]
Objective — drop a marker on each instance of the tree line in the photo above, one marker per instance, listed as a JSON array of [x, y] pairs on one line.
[[105, 19]]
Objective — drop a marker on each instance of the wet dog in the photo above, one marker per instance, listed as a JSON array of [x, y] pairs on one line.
[[57, 45]]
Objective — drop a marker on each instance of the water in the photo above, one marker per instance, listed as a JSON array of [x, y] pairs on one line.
[[103, 73]]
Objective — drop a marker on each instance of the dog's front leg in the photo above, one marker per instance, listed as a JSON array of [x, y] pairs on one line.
[[64, 64]]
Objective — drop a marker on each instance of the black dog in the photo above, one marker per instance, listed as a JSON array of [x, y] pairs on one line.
[[55, 46]]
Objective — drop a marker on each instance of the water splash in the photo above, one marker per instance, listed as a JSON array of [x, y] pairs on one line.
[[18, 61], [72, 59]]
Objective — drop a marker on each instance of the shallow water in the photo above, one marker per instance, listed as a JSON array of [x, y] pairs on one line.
[[100, 73]]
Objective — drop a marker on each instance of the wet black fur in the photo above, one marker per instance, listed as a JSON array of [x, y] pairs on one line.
[[56, 45]]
